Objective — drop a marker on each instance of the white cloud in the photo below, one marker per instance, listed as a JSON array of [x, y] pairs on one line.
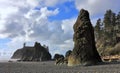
[[52, 3], [67, 25], [21, 22], [2, 26], [5, 55], [45, 13], [97, 6], [33, 2], [6, 9]]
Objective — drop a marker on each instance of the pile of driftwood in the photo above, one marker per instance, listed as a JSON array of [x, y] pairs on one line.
[[111, 58]]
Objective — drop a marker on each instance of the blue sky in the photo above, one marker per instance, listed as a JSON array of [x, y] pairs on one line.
[[49, 22]]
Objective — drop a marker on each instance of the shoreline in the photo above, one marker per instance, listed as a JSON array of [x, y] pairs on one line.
[[50, 67]]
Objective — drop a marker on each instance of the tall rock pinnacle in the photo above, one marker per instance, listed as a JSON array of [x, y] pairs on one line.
[[84, 51]]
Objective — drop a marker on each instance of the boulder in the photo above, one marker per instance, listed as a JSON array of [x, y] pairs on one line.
[[67, 54], [59, 59], [84, 51], [58, 56]]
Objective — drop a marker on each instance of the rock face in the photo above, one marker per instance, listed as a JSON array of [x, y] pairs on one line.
[[59, 59], [84, 52], [68, 53], [17, 54], [35, 53]]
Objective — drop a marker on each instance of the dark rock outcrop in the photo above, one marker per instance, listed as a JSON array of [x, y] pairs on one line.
[[59, 59], [17, 54], [58, 56], [84, 52], [35, 53], [68, 53], [27, 54]]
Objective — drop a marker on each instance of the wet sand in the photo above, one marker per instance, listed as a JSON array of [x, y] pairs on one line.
[[50, 67]]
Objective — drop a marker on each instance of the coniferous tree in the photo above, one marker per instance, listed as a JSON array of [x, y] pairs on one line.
[[109, 24], [107, 32], [113, 31], [117, 28], [107, 20], [118, 23], [98, 29]]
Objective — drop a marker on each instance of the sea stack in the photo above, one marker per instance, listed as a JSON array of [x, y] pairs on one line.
[[33, 53], [84, 51]]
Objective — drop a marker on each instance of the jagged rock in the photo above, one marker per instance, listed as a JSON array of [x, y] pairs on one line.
[[59, 59], [35, 53], [58, 56], [84, 52], [68, 53]]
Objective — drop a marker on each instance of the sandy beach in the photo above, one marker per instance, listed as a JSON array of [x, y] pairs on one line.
[[50, 67]]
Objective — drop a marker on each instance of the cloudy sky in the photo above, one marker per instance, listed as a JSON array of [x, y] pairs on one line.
[[49, 22]]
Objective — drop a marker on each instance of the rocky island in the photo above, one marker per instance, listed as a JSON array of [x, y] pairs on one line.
[[35, 53]]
